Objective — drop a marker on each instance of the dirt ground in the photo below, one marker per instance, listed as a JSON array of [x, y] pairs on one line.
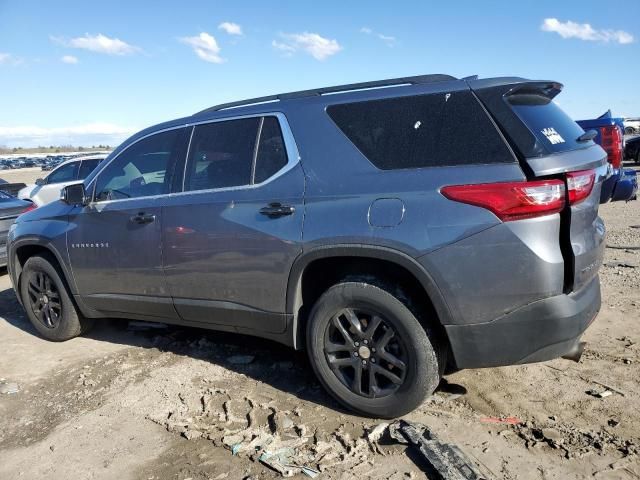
[[169, 403]]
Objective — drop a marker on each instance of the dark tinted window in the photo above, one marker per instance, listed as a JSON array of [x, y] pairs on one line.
[[422, 131], [221, 154], [66, 173], [272, 154], [553, 128], [86, 167], [142, 170]]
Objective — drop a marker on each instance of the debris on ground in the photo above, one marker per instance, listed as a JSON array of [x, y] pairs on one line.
[[600, 394], [503, 420], [9, 388], [447, 461]]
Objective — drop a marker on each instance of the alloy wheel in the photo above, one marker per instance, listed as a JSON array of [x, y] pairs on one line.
[[365, 352], [44, 299]]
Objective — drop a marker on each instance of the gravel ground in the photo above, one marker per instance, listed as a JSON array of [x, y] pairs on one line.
[[169, 403]]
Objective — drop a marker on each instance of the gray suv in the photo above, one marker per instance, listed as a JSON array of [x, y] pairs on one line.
[[393, 229]]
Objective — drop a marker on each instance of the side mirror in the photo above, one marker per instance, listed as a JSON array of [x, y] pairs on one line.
[[40, 182], [74, 194]]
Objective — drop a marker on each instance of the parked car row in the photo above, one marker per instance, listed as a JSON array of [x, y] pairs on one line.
[[46, 163], [631, 126]]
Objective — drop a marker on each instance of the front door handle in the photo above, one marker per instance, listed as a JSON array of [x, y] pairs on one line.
[[276, 209], [143, 218]]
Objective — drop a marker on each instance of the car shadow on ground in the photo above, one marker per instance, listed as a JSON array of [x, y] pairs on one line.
[[274, 364]]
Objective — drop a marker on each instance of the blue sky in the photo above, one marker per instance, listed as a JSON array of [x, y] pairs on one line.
[[87, 72]]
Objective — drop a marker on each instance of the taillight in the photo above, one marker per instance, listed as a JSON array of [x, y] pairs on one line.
[[512, 200], [579, 185], [611, 141], [33, 206]]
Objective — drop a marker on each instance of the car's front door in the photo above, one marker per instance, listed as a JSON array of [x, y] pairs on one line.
[[231, 237], [115, 248]]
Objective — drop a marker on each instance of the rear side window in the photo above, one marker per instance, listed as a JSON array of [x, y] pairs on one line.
[[422, 131], [551, 126], [221, 154], [272, 154]]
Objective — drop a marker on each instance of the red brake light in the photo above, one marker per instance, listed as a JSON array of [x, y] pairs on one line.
[[512, 200], [33, 206], [611, 141], [580, 185]]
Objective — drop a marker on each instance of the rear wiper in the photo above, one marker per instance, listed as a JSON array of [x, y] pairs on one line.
[[588, 135]]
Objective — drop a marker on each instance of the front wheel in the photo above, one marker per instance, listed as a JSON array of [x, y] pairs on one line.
[[370, 351], [47, 301]]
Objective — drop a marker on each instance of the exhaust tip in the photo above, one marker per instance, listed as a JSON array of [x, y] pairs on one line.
[[576, 352]]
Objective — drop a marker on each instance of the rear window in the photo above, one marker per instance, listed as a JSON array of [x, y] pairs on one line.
[[551, 126], [422, 131]]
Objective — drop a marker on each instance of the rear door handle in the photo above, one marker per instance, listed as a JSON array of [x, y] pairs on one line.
[[143, 218], [276, 209]]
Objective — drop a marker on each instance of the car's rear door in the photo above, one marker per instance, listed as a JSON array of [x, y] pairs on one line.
[[115, 243], [231, 237]]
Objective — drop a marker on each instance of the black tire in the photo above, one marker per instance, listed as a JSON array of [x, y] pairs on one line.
[[47, 302], [377, 394], [629, 131]]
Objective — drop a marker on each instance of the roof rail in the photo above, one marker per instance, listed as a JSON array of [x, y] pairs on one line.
[[336, 89]]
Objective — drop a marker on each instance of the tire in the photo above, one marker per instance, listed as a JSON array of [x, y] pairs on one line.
[[394, 391], [629, 131], [47, 302]]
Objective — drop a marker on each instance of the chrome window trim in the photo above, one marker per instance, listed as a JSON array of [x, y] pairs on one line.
[[293, 157]]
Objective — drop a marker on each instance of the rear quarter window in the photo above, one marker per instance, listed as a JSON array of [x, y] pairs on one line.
[[551, 126], [422, 131]]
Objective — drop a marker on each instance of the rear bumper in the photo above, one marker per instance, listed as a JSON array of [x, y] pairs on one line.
[[540, 331], [621, 186]]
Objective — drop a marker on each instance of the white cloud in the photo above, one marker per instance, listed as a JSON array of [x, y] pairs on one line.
[[231, 28], [99, 44], [388, 39], [70, 59], [8, 59], [87, 134], [205, 46], [315, 45], [585, 31]]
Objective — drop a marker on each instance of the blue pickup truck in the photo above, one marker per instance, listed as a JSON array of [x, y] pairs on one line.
[[623, 184]]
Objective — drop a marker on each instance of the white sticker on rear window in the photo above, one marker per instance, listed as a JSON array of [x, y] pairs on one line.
[[553, 136]]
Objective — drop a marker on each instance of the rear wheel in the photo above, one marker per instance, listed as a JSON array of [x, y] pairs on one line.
[[629, 130], [47, 301], [370, 351]]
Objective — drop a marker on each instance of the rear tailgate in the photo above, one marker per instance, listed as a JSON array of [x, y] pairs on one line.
[[547, 143]]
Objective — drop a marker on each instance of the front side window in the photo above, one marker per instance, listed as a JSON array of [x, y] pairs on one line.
[[142, 170], [66, 173]]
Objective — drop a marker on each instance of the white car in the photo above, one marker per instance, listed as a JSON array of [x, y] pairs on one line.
[[631, 126], [47, 189]]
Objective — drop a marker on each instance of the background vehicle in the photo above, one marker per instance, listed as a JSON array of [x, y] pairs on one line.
[[631, 126], [632, 149], [10, 208], [392, 248], [622, 184], [48, 189]]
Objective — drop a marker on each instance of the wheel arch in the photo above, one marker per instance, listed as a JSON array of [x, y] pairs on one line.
[[26, 247], [336, 254]]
